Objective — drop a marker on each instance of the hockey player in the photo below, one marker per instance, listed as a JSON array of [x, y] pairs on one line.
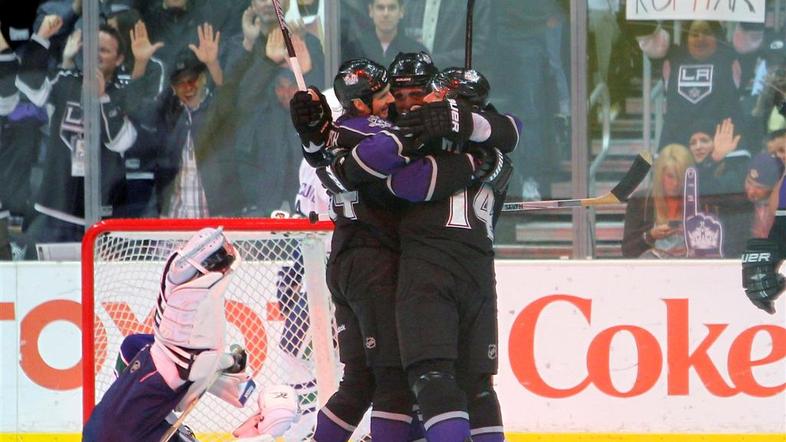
[[365, 236], [457, 245], [384, 155], [410, 74], [185, 357], [763, 256], [446, 272]]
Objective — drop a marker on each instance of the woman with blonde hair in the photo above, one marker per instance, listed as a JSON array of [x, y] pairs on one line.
[[654, 218]]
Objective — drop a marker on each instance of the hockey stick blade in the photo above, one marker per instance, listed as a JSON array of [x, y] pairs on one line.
[[619, 194]]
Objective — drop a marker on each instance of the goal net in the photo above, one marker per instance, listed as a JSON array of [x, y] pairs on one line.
[[277, 307]]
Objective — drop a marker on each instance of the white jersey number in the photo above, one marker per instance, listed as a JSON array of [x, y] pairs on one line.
[[346, 201], [482, 206]]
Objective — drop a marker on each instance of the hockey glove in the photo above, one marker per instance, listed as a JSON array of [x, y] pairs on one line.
[[308, 114], [444, 119], [312, 121], [763, 284], [492, 167]]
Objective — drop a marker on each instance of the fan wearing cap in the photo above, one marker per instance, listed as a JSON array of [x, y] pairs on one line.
[[763, 173], [195, 169]]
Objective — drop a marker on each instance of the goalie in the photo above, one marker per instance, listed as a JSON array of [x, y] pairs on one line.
[[171, 369]]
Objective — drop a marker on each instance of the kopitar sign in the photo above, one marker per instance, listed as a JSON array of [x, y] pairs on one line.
[[720, 10]]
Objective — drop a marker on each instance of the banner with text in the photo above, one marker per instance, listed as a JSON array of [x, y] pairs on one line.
[[719, 10], [660, 347]]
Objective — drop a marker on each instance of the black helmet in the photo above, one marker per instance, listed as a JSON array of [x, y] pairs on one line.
[[411, 69], [467, 84], [359, 78]]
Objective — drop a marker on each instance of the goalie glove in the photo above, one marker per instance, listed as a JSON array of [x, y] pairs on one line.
[[762, 283], [278, 409], [443, 119], [492, 167]]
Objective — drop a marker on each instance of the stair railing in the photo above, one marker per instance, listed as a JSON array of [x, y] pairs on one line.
[[600, 95]]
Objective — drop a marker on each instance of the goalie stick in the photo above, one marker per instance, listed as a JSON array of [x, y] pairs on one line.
[[232, 362], [293, 63], [619, 194]]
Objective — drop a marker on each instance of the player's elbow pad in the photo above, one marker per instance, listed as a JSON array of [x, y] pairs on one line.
[[505, 131], [317, 158]]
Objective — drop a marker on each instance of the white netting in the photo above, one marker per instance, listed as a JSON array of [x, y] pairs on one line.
[[266, 311]]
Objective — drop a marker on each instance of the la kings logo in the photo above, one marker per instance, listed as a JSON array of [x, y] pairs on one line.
[[694, 81], [72, 134], [375, 121], [71, 128]]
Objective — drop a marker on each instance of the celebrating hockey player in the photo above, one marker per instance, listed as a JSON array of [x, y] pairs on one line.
[[385, 154], [446, 271], [171, 369]]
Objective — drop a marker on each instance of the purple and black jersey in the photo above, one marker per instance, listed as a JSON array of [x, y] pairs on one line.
[[364, 212], [457, 232]]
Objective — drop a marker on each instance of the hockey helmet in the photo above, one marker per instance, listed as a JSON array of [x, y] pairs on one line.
[[411, 69], [359, 78], [467, 84]]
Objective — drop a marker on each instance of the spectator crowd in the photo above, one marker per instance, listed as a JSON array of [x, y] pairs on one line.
[[194, 98]]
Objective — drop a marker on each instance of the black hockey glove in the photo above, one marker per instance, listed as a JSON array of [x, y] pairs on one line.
[[444, 119], [307, 114], [763, 284], [492, 167]]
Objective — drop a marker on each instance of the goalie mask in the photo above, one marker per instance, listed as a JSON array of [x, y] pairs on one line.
[[359, 78], [411, 69], [465, 84]]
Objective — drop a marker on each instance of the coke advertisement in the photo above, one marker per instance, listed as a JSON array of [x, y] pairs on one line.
[[585, 347], [637, 347]]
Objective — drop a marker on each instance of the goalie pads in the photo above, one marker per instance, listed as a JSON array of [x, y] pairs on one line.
[[278, 409], [760, 278], [189, 324]]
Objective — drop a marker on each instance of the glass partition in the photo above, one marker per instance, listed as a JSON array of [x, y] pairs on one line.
[[193, 114]]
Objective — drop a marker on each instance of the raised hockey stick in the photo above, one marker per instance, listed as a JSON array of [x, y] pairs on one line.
[[293, 63], [232, 362], [468, 42], [619, 194]]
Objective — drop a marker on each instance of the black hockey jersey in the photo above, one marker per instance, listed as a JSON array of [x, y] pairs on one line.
[[62, 191]]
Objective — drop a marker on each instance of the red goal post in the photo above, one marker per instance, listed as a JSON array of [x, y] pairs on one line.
[[122, 261]]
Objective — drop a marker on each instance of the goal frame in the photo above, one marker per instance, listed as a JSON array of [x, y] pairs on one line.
[[169, 225]]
